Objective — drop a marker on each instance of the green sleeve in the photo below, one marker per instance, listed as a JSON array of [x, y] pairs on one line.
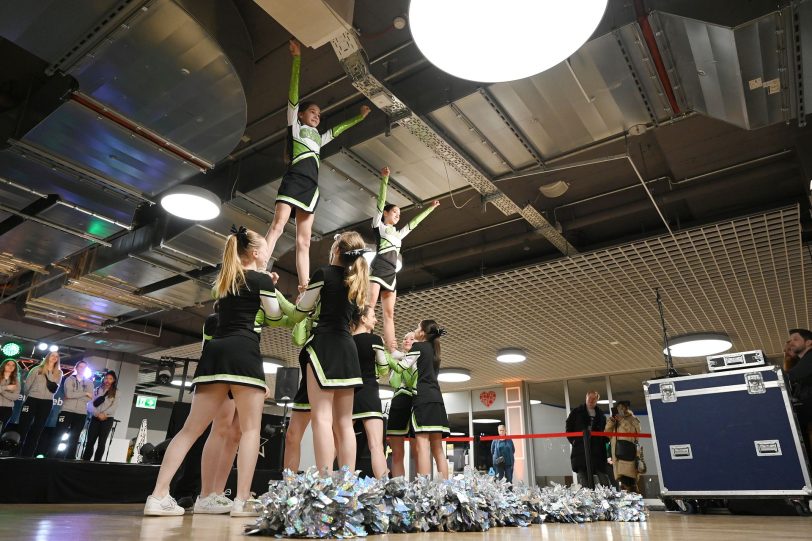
[[340, 128], [293, 93], [414, 222]]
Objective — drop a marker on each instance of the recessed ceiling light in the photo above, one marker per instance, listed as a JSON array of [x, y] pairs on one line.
[[191, 203], [486, 421], [457, 434], [453, 375], [535, 402], [42, 346], [510, 355], [177, 382], [469, 39], [53, 348], [698, 344]]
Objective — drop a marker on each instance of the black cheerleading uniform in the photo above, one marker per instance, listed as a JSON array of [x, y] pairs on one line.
[[371, 355], [428, 409], [388, 240], [232, 355], [330, 348], [300, 184]]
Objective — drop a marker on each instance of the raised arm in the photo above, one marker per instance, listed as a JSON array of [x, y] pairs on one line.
[[293, 92], [414, 222], [376, 220], [341, 127]]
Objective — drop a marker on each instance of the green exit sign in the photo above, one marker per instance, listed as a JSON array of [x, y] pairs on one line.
[[148, 402]]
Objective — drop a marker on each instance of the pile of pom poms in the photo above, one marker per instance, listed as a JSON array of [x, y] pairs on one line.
[[341, 505]]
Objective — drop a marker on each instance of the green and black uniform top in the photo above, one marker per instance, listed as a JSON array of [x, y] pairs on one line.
[[209, 327], [328, 292], [388, 240], [243, 314], [428, 389], [305, 142], [371, 355]]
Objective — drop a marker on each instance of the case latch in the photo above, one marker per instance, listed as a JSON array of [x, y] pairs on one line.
[[667, 392], [755, 383]]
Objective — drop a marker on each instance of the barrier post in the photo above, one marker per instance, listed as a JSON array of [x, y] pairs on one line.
[[590, 482]]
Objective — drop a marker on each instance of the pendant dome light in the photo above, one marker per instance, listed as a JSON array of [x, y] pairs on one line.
[[699, 344], [191, 203], [483, 40]]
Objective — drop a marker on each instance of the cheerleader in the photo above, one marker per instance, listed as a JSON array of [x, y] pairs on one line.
[[330, 358], [230, 362], [9, 390], [400, 409], [41, 383], [429, 419], [78, 391], [299, 190], [388, 239], [367, 402]]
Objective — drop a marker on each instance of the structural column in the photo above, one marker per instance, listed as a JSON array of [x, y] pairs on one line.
[[514, 425]]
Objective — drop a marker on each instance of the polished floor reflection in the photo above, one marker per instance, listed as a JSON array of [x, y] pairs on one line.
[[125, 522]]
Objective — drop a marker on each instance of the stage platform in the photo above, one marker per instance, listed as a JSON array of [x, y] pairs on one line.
[[126, 523], [49, 480]]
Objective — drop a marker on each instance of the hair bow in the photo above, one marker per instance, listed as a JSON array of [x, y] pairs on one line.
[[241, 234]]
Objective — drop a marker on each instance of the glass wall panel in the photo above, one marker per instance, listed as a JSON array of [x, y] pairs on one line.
[[551, 456]]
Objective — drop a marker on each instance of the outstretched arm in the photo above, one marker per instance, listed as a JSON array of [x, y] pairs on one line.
[[293, 92], [341, 127], [414, 222], [376, 220]]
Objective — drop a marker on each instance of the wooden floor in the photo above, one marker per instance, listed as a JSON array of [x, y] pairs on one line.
[[125, 522]]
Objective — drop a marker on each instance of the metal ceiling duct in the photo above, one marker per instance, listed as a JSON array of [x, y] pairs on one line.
[[744, 75]]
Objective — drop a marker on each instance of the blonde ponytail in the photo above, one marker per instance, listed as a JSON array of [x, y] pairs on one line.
[[232, 276], [356, 275]]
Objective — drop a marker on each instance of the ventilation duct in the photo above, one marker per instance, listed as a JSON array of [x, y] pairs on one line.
[[313, 22], [744, 75]]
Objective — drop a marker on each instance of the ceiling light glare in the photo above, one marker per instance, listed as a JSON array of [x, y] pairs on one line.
[[53, 348], [486, 421], [177, 382], [42, 346], [699, 344], [605, 402], [457, 434], [270, 367], [510, 355], [453, 375], [191, 203], [483, 40], [535, 402]]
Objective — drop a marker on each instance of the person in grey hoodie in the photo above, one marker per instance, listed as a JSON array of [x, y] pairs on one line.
[[41, 383], [101, 407], [78, 390], [9, 389]]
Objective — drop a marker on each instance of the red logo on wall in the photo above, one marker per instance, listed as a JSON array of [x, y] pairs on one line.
[[487, 398]]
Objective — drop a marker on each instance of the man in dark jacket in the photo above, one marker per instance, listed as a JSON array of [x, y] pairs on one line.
[[502, 452], [800, 377], [588, 416]]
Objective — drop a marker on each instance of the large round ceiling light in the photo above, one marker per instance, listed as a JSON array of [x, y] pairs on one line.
[[191, 203], [453, 375], [483, 40], [510, 355], [699, 344]]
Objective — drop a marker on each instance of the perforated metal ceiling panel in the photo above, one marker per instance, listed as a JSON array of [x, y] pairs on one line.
[[746, 277]]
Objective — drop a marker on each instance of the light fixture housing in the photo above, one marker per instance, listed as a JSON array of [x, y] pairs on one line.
[[698, 344], [511, 355], [554, 189], [485, 421], [453, 375], [482, 40], [191, 203]]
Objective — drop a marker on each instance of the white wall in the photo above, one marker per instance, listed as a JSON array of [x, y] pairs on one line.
[[551, 456]]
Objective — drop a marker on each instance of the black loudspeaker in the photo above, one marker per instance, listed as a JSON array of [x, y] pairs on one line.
[[287, 383]]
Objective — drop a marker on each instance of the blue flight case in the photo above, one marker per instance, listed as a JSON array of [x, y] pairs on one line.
[[727, 435]]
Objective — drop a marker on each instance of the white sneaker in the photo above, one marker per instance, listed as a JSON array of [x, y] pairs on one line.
[[212, 505], [244, 508], [165, 507]]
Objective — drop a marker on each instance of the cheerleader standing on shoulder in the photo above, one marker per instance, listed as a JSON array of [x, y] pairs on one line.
[[230, 362], [299, 190], [388, 240], [330, 358]]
